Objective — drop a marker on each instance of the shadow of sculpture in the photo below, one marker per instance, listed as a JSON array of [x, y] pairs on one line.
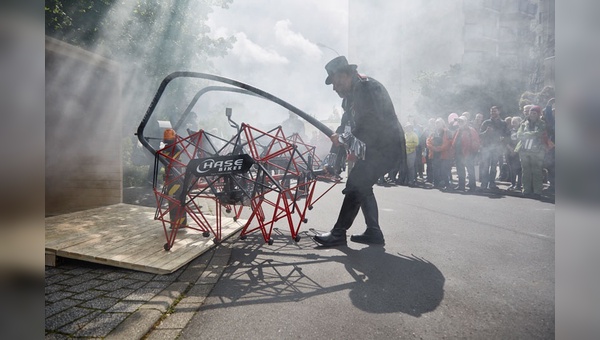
[[381, 282]]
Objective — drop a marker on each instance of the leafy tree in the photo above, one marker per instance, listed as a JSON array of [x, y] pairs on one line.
[[470, 88], [76, 22], [537, 98], [148, 39], [157, 36]]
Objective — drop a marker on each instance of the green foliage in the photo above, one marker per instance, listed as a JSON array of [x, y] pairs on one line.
[[76, 22], [148, 39], [156, 36], [537, 98], [527, 98], [474, 89], [134, 175]]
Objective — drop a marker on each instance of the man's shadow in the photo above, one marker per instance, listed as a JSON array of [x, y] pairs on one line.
[[387, 283]]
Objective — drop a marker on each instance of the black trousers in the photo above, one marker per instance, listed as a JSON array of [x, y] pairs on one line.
[[359, 193]]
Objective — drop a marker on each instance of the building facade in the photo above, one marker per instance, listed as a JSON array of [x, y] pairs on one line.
[[395, 41]]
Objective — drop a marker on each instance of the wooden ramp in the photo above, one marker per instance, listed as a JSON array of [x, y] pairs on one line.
[[126, 236]]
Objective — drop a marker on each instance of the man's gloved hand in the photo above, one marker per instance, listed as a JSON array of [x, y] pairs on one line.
[[346, 138], [354, 145]]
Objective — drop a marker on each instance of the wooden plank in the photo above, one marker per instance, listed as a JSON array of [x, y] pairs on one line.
[[144, 252], [98, 245], [50, 258], [229, 228], [188, 246], [63, 231], [110, 236], [156, 250], [127, 236], [129, 245], [134, 244], [182, 256], [105, 229], [181, 252], [142, 248], [64, 235]]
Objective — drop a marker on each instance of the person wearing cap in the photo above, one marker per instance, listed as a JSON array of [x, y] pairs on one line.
[[531, 149], [374, 125]]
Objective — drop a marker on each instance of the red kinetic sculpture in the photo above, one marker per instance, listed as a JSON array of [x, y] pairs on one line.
[[267, 172]]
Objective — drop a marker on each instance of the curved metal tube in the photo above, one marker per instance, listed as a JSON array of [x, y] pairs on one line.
[[246, 89], [204, 91]]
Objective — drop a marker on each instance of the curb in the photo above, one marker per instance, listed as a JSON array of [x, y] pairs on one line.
[[167, 314]]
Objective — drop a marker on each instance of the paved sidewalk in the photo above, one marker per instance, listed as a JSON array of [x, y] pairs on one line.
[[86, 300]]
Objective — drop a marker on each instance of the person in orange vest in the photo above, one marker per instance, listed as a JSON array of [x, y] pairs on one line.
[[173, 182]]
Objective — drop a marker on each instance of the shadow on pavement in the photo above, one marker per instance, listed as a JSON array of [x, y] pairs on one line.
[[382, 282], [387, 283]]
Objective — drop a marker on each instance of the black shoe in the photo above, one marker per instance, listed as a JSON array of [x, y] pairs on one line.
[[332, 238], [370, 236]]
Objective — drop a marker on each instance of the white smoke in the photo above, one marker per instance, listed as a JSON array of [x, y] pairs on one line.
[[249, 52]]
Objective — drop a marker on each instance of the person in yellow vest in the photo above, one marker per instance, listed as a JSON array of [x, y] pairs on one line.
[[412, 142]]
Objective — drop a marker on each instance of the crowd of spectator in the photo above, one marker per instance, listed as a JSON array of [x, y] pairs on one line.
[[515, 149]]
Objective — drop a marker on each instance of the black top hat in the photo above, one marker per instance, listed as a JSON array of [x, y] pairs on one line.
[[335, 65]]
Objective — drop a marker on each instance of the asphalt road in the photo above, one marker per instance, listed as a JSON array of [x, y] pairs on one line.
[[454, 266]]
